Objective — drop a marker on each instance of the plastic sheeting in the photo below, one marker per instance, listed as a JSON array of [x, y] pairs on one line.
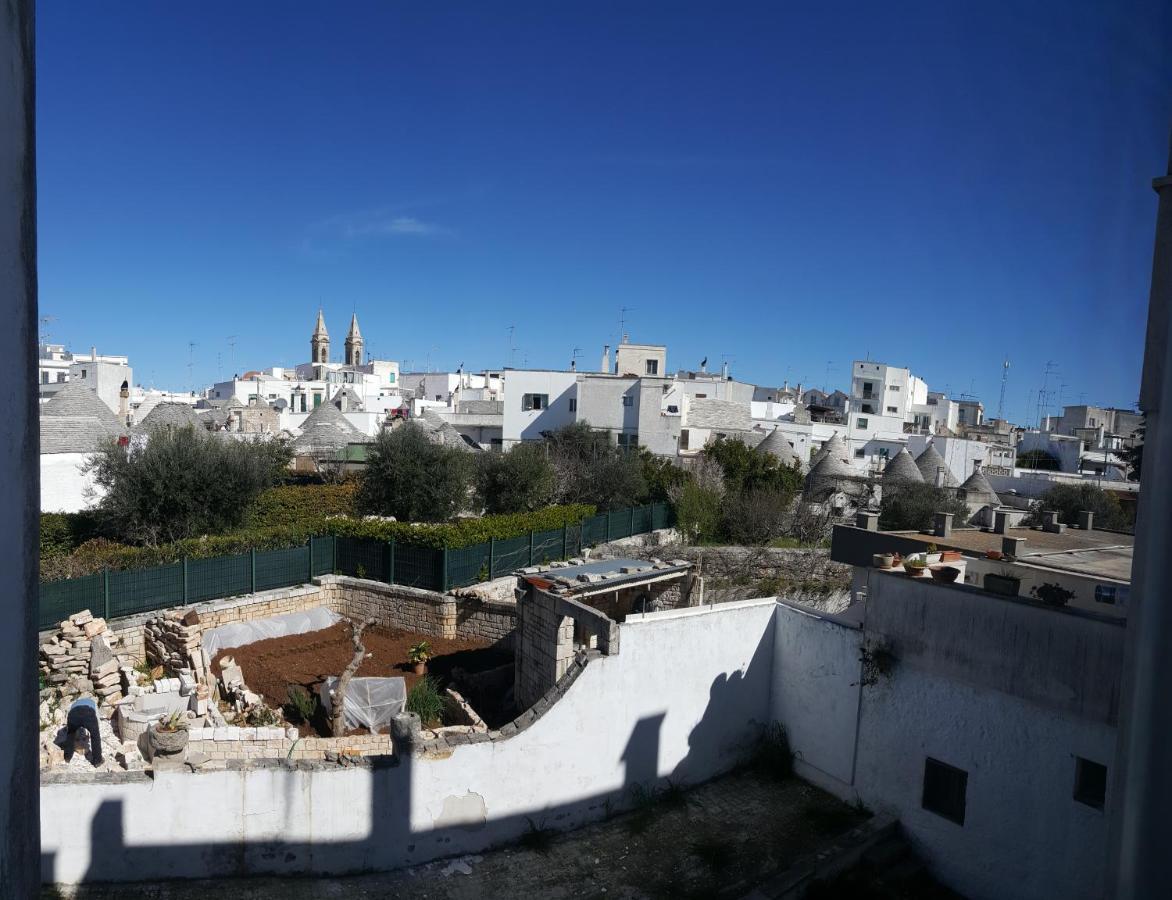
[[370, 702], [240, 633]]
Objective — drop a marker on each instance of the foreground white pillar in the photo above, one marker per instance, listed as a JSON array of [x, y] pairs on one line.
[[20, 866], [1142, 786]]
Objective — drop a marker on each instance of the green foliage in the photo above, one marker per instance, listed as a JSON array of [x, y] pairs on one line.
[[1038, 459], [302, 705], [426, 700], [1070, 499], [662, 475], [747, 470], [412, 478], [519, 480], [911, 506], [698, 512], [301, 504], [1052, 593], [590, 469], [99, 553], [1134, 456], [419, 653], [62, 533], [181, 482]]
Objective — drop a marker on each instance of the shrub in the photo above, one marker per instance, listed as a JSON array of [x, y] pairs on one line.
[[755, 516], [300, 504], [426, 700], [302, 705], [911, 506], [1070, 499], [519, 480], [590, 469], [412, 478], [181, 482], [62, 533], [747, 470], [99, 553], [698, 511], [1038, 459]]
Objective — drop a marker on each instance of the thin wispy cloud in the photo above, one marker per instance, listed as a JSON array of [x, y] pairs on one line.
[[329, 238]]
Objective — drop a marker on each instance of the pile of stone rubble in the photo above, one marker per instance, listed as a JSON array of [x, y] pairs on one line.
[[79, 659]]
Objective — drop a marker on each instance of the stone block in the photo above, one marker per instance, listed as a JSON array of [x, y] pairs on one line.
[[94, 627], [80, 618]]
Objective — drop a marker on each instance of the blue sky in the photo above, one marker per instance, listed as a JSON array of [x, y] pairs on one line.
[[936, 185]]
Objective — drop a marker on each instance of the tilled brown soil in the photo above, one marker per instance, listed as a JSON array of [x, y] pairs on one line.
[[271, 666]]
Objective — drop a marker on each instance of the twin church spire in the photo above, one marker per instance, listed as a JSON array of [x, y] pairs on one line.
[[319, 343]]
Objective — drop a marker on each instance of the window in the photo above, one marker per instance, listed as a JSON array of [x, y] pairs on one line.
[[60, 377], [653, 367], [439, 398], [534, 401], [893, 387], [868, 408], [944, 790], [683, 439], [861, 423], [701, 397], [672, 408], [893, 409], [573, 404], [83, 373], [883, 453], [628, 400], [628, 441], [44, 378], [1090, 782], [316, 400], [859, 454]]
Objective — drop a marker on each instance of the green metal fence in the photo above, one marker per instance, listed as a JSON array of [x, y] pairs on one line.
[[125, 593]]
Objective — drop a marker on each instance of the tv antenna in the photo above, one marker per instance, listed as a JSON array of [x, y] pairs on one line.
[[190, 365], [232, 354], [1004, 382], [623, 323], [577, 351], [1043, 394], [829, 363], [44, 336], [512, 349]]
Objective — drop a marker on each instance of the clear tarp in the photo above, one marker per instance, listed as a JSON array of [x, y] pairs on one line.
[[370, 702], [238, 634]]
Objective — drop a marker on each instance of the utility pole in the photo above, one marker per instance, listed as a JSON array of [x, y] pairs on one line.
[[1004, 382]]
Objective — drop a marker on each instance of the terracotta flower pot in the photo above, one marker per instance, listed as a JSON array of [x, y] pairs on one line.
[[916, 571], [946, 574], [950, 556], [993, 554], [419, 668]]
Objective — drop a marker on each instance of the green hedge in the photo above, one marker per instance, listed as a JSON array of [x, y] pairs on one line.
[[98, 554], [296, 505], [62, 533]]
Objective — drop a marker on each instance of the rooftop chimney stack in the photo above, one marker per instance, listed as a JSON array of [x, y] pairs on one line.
[[605, 359], [724, 370], [573, 365]]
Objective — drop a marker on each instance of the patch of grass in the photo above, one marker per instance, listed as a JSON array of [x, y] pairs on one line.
[[537, 837], [643, 799], [427, 701], [715, 852], [773, 755]]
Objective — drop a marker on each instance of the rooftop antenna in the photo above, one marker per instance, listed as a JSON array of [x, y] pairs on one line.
[[577, 351], [1004, 382], [190, 365], [829, 363], [44, 336], [623, 323], [1043, 394], [512, 349], [232, 353]]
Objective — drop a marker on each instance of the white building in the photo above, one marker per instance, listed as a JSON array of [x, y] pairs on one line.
[[105, 374]]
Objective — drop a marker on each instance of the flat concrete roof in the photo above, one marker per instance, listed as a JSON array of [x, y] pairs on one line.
[[607, 573], [1106, 554]]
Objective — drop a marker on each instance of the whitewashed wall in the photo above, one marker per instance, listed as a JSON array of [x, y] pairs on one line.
[[63, 484], [683, 698]]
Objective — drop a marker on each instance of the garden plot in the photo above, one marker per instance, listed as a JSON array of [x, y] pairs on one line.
[[287, 671]]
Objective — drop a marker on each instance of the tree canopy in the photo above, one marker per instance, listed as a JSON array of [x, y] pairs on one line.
[[911, 506], [590, 469], [410, 477], [519, 480], [181, 483]]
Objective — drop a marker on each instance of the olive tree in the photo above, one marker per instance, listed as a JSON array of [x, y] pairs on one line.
[[412, 478], [181, 482]]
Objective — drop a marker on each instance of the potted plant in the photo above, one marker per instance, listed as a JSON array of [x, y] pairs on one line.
[[882, 560], [1051, 593], [946, 574], [168, 737], [1004, 583], [932, 555], [418, 656], [993, 554], [916, 568], [950, 556]]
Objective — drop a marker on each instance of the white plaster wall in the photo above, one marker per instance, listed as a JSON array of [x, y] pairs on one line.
[[519, 424], [683, 698], [64, 485], [815, 694], [1024, 835]]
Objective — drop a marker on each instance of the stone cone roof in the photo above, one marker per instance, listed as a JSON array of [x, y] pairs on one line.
[[75, 399], [902, 467], [977, 487], [836, 446], [326, 432], [440, 431], [776, 444], [170, 415], [930, 462], [72, 434]]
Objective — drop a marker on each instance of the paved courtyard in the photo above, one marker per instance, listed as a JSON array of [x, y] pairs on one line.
[[717, 840]]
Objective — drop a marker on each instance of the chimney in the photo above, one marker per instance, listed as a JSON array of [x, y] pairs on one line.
[[724, 370], [93, 354], [940, 476], [573, 365], [124, 403], [605, 359]]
